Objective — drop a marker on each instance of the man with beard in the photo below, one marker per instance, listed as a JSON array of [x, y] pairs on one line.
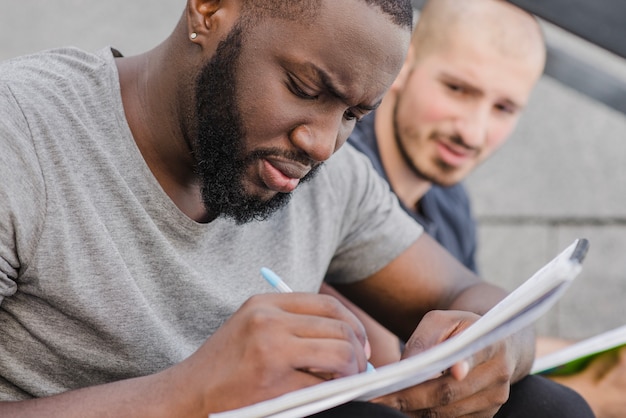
[[469, 73], [140, 196], [457, 99]]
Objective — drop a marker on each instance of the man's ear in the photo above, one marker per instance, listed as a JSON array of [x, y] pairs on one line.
[[204, 17], [409, 61]]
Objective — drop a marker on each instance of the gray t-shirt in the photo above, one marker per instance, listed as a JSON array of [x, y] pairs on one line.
[[102, 277]]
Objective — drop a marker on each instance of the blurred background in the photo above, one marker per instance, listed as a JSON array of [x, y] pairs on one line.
[[561, 176]]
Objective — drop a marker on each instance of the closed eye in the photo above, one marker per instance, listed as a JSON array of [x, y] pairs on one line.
[[298, 88]]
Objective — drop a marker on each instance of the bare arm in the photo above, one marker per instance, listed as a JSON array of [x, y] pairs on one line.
[[140, 397], [273, 344], [426, 296], [547, 345]]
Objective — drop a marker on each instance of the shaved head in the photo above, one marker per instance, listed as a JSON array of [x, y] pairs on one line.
[[507, 28], [466, 80]]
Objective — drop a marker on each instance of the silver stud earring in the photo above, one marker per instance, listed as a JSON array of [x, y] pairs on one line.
[[193, 35]]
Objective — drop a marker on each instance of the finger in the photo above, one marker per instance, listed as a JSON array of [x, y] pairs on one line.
[[447, 390], [314, 305], [369, 323], [430, 394], [329, 359], [435, 327], [439, 326], [483, 403], [451, 400], [331, 343], [298, 379], [368, 349], [460, 370]]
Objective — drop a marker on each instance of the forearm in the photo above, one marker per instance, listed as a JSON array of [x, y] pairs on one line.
[[479, 299], [546, 345], [151, 396]]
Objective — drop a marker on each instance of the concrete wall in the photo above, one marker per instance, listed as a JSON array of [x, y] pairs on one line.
[[130, 26], [562, 175]]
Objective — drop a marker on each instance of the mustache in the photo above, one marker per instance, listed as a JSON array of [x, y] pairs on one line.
[[295, 156], [454, 139]]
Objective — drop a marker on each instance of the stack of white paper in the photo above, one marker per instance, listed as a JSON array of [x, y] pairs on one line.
[[518, 310], [574, 357]]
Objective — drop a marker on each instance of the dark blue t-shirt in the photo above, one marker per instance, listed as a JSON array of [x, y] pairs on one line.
[[445, 211]]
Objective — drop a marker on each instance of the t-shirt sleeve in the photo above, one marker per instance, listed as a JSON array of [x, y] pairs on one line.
[[375, 229], [22, 193]]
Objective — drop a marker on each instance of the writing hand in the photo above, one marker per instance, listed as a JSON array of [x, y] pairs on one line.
[[275, 343], [385, 346]]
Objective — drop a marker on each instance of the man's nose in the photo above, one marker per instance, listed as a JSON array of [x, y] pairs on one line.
[[474, 126], [317, 140]]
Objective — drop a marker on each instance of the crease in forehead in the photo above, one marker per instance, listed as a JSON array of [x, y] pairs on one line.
[[377, 38], [359, 31], [480, 68], [359, 55]]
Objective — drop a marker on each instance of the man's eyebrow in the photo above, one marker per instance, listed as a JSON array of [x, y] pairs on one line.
[[478, 91], [334, 90], [469, 86]]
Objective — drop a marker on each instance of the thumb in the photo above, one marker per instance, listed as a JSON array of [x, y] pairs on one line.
[[460, 370], [367, 348]]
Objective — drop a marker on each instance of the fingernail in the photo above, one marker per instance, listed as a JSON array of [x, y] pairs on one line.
[[465, 368], [367, 348]]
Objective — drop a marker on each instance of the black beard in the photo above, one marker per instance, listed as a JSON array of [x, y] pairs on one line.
[[403, 152], [218, 149]]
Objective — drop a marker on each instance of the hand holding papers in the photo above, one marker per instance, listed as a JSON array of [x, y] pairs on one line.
[[517, 311]]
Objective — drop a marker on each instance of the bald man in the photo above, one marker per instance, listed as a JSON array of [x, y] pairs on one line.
[[469, 73]]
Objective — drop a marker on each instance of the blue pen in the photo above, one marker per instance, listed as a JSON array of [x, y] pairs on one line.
[[278, 284]]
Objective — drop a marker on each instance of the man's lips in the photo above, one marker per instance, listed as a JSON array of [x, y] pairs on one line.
[[282, 176], [453, 154]]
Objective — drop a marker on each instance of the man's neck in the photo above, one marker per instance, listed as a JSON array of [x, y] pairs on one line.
[[152, 110]]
